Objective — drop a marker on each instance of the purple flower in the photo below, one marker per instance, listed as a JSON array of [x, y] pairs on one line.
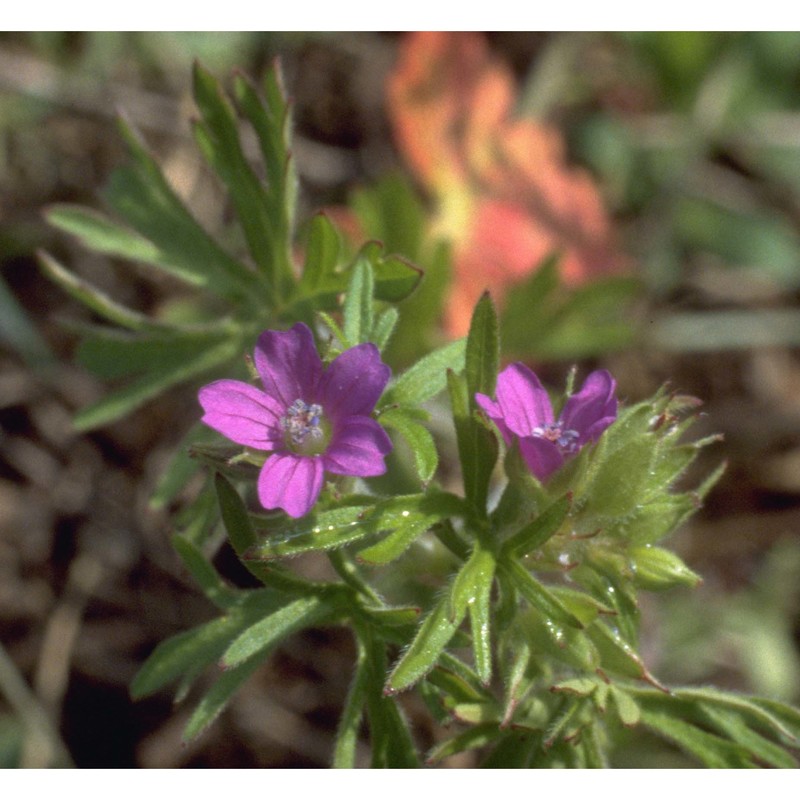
[[523, 411], [313, 419]]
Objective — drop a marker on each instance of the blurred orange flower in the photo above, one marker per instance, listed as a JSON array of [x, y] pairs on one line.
[[505, 196]]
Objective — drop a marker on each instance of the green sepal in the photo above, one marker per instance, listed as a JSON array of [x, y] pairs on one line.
[[655, 569]]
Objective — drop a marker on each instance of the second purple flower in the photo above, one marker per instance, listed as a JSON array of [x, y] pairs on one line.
[[523, 412], [313, 419]]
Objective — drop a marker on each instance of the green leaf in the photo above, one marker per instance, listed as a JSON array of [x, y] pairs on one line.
[[538, 595], [460, 680], [477, 446], [220, 694], [627, 708], [427, 377], [181, 467], [358, 308], [395, 278], [472, 738], [91, 297], [777, 718], [384, 327], [237, 523], [475, 575], [125, 400], [419, 439], [480, 616], [582, 687], [617, 655], [526, 309], [322, 254], [711, 750], [217, 134], [730, 724], [200, 646], [142, 197], [322, 530], [271, 121], [344, 751], [539, 530], [265, 633], [392, 745], [111, 353], [204, 573], [393, 616], [585, 607], [513, 751], [422, 654], [18, 331], [483, 349], [407, 517], [391, 211]]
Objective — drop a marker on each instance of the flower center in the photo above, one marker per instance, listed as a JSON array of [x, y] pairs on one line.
[[304, 426], [567, 441]]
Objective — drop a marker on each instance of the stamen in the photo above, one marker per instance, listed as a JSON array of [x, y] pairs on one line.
[[566, 440], [302, 421]]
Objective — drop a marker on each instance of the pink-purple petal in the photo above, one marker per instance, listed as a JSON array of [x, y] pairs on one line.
[[289, 365], [358, 447], [523, 400], [591, 410], [493, 411], [354, 382], [290, 482], [542, 456], [242, 413]]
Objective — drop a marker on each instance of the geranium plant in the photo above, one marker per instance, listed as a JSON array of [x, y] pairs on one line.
[[517, 622]]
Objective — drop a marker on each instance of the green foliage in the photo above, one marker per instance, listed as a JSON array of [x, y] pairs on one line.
[[515, 618]]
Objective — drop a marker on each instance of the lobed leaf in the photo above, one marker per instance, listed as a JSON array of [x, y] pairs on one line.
[[141, 196]]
